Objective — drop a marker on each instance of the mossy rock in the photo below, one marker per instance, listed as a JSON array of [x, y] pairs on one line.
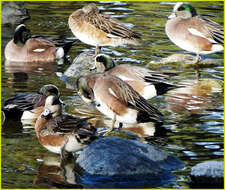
[[210, 85], [122, 134], [186, 60]]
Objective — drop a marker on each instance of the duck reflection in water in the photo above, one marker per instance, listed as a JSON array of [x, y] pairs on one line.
[[33, 68], [51, 174], [196, 97]]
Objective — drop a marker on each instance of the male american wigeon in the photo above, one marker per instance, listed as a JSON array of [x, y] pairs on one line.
[[116, 99], [146, 82], [97, 29], [192, 32], [28, 105], [25, 47], [61, 133]]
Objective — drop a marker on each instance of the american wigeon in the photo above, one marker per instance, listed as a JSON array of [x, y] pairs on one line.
[[116, 99], [61, 133], [28, 105], [192, 32], [97, 29], [25, 47], [146, 82]]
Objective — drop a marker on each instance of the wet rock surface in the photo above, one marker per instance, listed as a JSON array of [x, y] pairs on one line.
[[186, 60], [80, 66], [125, 161], [209, 174], [14, 13]]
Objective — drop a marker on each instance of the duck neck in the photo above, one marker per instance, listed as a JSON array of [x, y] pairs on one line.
[[40, 124]]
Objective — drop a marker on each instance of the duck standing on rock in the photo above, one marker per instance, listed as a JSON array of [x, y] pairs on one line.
[[97, 29], [116, 99], [60, 133], [146, 82], [194, 33]]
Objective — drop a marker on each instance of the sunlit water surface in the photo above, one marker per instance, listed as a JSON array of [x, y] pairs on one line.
[[192, 133]]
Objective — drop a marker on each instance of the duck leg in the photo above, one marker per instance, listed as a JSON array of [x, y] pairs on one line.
[[196, 61], [62, 154], [113, 123], [120, 125], [197, 73], [112, 126], [97, 50]]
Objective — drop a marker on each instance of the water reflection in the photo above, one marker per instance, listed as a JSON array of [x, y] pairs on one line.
[[34, 68], [194, 127], [50, 174], [195, 97]]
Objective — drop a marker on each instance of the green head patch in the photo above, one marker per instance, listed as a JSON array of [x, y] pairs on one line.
[[188, 8]]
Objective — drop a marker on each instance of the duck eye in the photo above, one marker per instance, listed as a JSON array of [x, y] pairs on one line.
[[181, 8], [184, 8], [87, 94], [56, 101], [100, 59]]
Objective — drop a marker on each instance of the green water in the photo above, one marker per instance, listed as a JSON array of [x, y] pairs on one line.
[[193, 135]]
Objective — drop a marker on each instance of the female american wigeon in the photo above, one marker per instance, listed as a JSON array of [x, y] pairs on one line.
[[192, 32], [146, 82], [116, 99], [97, 29], [61, 133], [25, 47], [28, 105]]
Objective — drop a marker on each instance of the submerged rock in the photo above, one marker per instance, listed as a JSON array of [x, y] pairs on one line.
[[209, 174], [120, 161], [187, 60]]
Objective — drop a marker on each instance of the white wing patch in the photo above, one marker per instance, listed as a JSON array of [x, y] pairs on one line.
[[197, 33], [111, 92], [59, 53], [124, 78], [38, 50], [111, 36], [10, 106]]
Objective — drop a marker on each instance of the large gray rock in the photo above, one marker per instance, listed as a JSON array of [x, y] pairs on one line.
[[208, 174], [127, 160], [14, 13], [80, 67]]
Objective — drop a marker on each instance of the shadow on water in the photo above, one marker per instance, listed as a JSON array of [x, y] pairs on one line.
[[193, 130]]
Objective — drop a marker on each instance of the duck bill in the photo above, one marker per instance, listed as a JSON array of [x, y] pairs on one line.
[[45, 113]]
